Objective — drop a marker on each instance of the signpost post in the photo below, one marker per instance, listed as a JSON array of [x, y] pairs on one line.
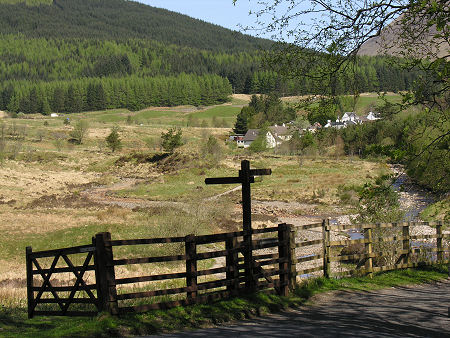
[[246, 177]]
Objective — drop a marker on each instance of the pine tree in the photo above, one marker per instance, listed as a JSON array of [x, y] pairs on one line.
[[113, 140]]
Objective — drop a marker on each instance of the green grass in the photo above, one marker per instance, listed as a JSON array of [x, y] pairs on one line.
[[439, 210], [227, 112], [14, 323], [364, 102], [183, 185]]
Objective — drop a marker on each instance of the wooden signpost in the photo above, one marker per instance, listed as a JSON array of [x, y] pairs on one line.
[[246, 177]]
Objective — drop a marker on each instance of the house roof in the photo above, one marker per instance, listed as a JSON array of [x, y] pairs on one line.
[[279, 130], [251, 135], [364, 119]]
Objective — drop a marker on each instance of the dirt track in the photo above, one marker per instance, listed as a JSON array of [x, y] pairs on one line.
[[419, 311]]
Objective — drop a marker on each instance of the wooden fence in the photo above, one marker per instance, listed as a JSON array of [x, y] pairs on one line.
[[273, 258]]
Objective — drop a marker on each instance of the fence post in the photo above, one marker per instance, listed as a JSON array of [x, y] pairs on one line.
[[30, 292], [232, 265], [191, 266], [326, 248], [406, 245], [105, 275], [283, 254], [292, 257], [440, 250], [368, 249]]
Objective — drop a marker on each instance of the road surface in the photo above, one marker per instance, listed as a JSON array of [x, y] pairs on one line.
[[415, 311]]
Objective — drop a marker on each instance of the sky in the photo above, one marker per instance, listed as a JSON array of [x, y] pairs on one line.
[[219, 12]]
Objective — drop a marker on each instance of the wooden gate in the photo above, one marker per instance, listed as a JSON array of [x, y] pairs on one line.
[[62, 282]]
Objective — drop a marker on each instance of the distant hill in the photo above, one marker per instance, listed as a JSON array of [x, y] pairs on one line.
[[118, 20], [392, 42]]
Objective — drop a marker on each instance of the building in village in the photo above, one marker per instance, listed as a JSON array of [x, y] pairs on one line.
[[349, 119], [274, 136], [278, 134]]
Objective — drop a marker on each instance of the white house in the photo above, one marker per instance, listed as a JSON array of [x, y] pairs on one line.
[[372, 116], [274, 136]]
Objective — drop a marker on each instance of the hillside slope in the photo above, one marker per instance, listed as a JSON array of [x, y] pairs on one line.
[[395, 42], [117, 19]]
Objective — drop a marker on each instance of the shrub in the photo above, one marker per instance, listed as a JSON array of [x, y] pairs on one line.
[[113, 140], [171, 139], [79, 132], [212, 149]]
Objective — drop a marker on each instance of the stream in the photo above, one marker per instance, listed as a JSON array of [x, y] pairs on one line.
[[412, 198]]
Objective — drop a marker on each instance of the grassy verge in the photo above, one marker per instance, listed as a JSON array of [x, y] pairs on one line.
[[13, 322]]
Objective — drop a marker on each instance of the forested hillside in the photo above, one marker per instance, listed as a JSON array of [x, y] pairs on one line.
[[118, 19], [48, 47]]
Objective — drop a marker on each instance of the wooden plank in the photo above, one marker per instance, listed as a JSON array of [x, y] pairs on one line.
[[144, 260], [326, 248], [68, 301], [68, 313], [309, 226], [63, 288], [439, 247], [191, 266], [259, 172], [273, 261], [348, 242], [308, 243], [292, 261], [265, 230], [154, 293], [214, 284], [65, 251], [207, 239], [223, 180], [30, 294], [348, 257], [283, 265], [262, 244], [381, 225], [335, 227], [265, 256], [65, 269], [107, 286], [244, 174], [150, 278], [368, 249], [423, 236], [213, 271], [232, 270], [305, 271], [213, 254], [141, 241], [309, 258], [269, 272]]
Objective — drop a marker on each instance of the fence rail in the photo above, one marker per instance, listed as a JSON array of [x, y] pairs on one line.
[[279, 257]]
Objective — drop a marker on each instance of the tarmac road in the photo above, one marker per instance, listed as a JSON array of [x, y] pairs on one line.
[[414, 311]]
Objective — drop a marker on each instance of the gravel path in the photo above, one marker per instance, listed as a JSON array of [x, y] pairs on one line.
[[417, 311]]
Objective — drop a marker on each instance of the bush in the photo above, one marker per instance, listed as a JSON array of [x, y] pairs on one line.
[[212, 149], [113, 140], [79, 132], [171, 139]]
